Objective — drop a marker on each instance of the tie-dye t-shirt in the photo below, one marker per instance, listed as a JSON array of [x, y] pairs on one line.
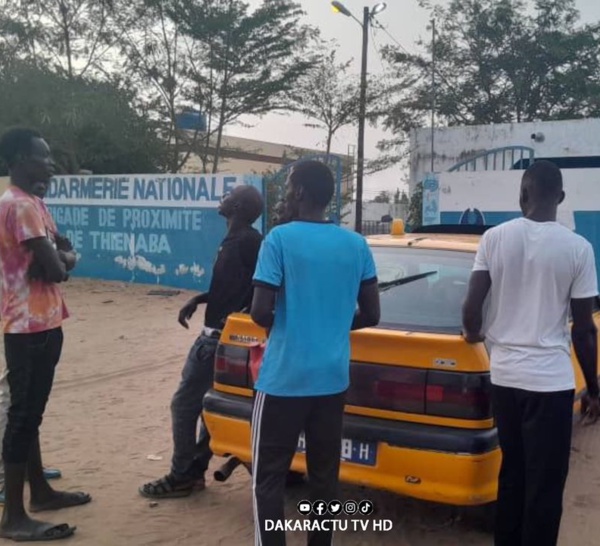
[[27, 306]]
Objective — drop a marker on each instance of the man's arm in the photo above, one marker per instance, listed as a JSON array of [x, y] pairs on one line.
[[48, 258], [479, 286], [188, 310], [369, 311], [263, 306], [268, 279], [585, 342]]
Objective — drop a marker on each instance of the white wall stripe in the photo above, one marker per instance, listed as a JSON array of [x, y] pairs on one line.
[[499, 190]]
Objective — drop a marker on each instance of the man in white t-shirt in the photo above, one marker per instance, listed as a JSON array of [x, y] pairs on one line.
[[534, 271]]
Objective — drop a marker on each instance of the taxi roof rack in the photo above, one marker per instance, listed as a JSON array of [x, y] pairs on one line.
[[454, 229]]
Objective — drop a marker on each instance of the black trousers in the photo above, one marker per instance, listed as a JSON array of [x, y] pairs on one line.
[[31, 360], [276, 426], [534, 429]]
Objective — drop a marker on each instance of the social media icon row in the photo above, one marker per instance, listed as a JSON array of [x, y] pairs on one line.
[[350, 508]]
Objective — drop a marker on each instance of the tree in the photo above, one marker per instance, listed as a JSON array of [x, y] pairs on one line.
[[71, 36], [90, 125], [415, 209], [497, 63], [330, 96], [383, 197], [159, 60], [251, 62], [404, 200]]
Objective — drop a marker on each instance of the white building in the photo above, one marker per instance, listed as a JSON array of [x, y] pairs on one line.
[[544, 140]]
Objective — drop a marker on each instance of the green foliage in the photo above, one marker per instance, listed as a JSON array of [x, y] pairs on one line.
[[383, 197], [415, 209], [90, 125], [72, 37], [498, 61], [497, 64], [252, 59], [330, 96], [219, 57]]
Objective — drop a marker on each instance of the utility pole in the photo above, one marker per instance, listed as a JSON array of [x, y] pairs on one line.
[[433, 94], [360, 166]]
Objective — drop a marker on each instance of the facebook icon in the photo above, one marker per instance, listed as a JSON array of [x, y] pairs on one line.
[[319, 507]]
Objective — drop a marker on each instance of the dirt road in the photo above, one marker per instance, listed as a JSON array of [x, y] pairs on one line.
[[110, 410]]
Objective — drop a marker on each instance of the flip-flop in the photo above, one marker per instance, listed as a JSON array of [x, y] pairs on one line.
[[58, 503], [52, 473], [43, 533]]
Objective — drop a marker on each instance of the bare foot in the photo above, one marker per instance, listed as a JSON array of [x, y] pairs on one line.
[[58, 500]]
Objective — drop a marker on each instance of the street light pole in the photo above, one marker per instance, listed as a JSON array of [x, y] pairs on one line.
[[360, 167], [362, 114]]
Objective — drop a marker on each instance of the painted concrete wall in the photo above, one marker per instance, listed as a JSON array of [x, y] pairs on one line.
[[455, 144], [373, 212], [493, 197], [162, 229]]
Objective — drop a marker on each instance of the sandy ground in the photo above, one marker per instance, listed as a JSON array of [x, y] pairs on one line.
[[110, 410]]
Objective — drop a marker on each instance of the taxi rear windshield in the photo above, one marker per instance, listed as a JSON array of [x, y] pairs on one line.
[[422, 290]]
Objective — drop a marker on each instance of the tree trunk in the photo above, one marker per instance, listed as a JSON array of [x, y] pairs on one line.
[[329, 139], [67, 37]]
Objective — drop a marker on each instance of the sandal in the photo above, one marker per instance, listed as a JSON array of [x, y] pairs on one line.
[[38, 531], [167, 488]]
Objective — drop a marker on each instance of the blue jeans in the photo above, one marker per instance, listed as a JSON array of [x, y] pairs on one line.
[[192, 453]]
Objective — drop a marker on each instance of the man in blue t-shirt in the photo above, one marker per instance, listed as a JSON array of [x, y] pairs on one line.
[[309, 278]]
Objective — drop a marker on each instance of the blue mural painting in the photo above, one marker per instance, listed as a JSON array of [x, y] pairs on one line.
[[162, 229], [431, 200], [472, 217]]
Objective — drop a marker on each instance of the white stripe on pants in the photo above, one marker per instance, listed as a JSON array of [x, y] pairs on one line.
[[256, 423]]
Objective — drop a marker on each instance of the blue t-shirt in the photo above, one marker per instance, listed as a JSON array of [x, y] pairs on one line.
[[317, 270]]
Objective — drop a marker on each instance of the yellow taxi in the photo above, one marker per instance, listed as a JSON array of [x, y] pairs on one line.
[[418, 419]]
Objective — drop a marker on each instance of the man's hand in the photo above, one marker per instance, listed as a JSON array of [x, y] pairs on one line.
[[68, 258], [187, 312], [473, 339], [62, 243], [590, 409]]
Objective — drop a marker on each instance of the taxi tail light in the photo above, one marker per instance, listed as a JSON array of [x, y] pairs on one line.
[[387, 387], [413, 390], [231, 365], [459, 395]]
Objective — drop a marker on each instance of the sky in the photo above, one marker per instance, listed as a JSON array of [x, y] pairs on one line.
[[406, 22]]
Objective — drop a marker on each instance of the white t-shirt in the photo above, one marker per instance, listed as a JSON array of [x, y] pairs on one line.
[[536, 269]]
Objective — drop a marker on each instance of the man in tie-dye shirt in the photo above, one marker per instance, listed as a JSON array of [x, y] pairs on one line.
[[32, 311], [49, 473]]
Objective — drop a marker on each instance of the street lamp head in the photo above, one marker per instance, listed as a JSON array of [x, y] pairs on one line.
[[340, 8], [378, 8]]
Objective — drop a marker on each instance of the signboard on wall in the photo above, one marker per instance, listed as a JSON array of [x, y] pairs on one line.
[[431, 200], [162, 229]]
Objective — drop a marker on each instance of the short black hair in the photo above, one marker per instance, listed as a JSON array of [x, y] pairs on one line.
[[252, 203], [544, 180], [17, 142], [317, 181]]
